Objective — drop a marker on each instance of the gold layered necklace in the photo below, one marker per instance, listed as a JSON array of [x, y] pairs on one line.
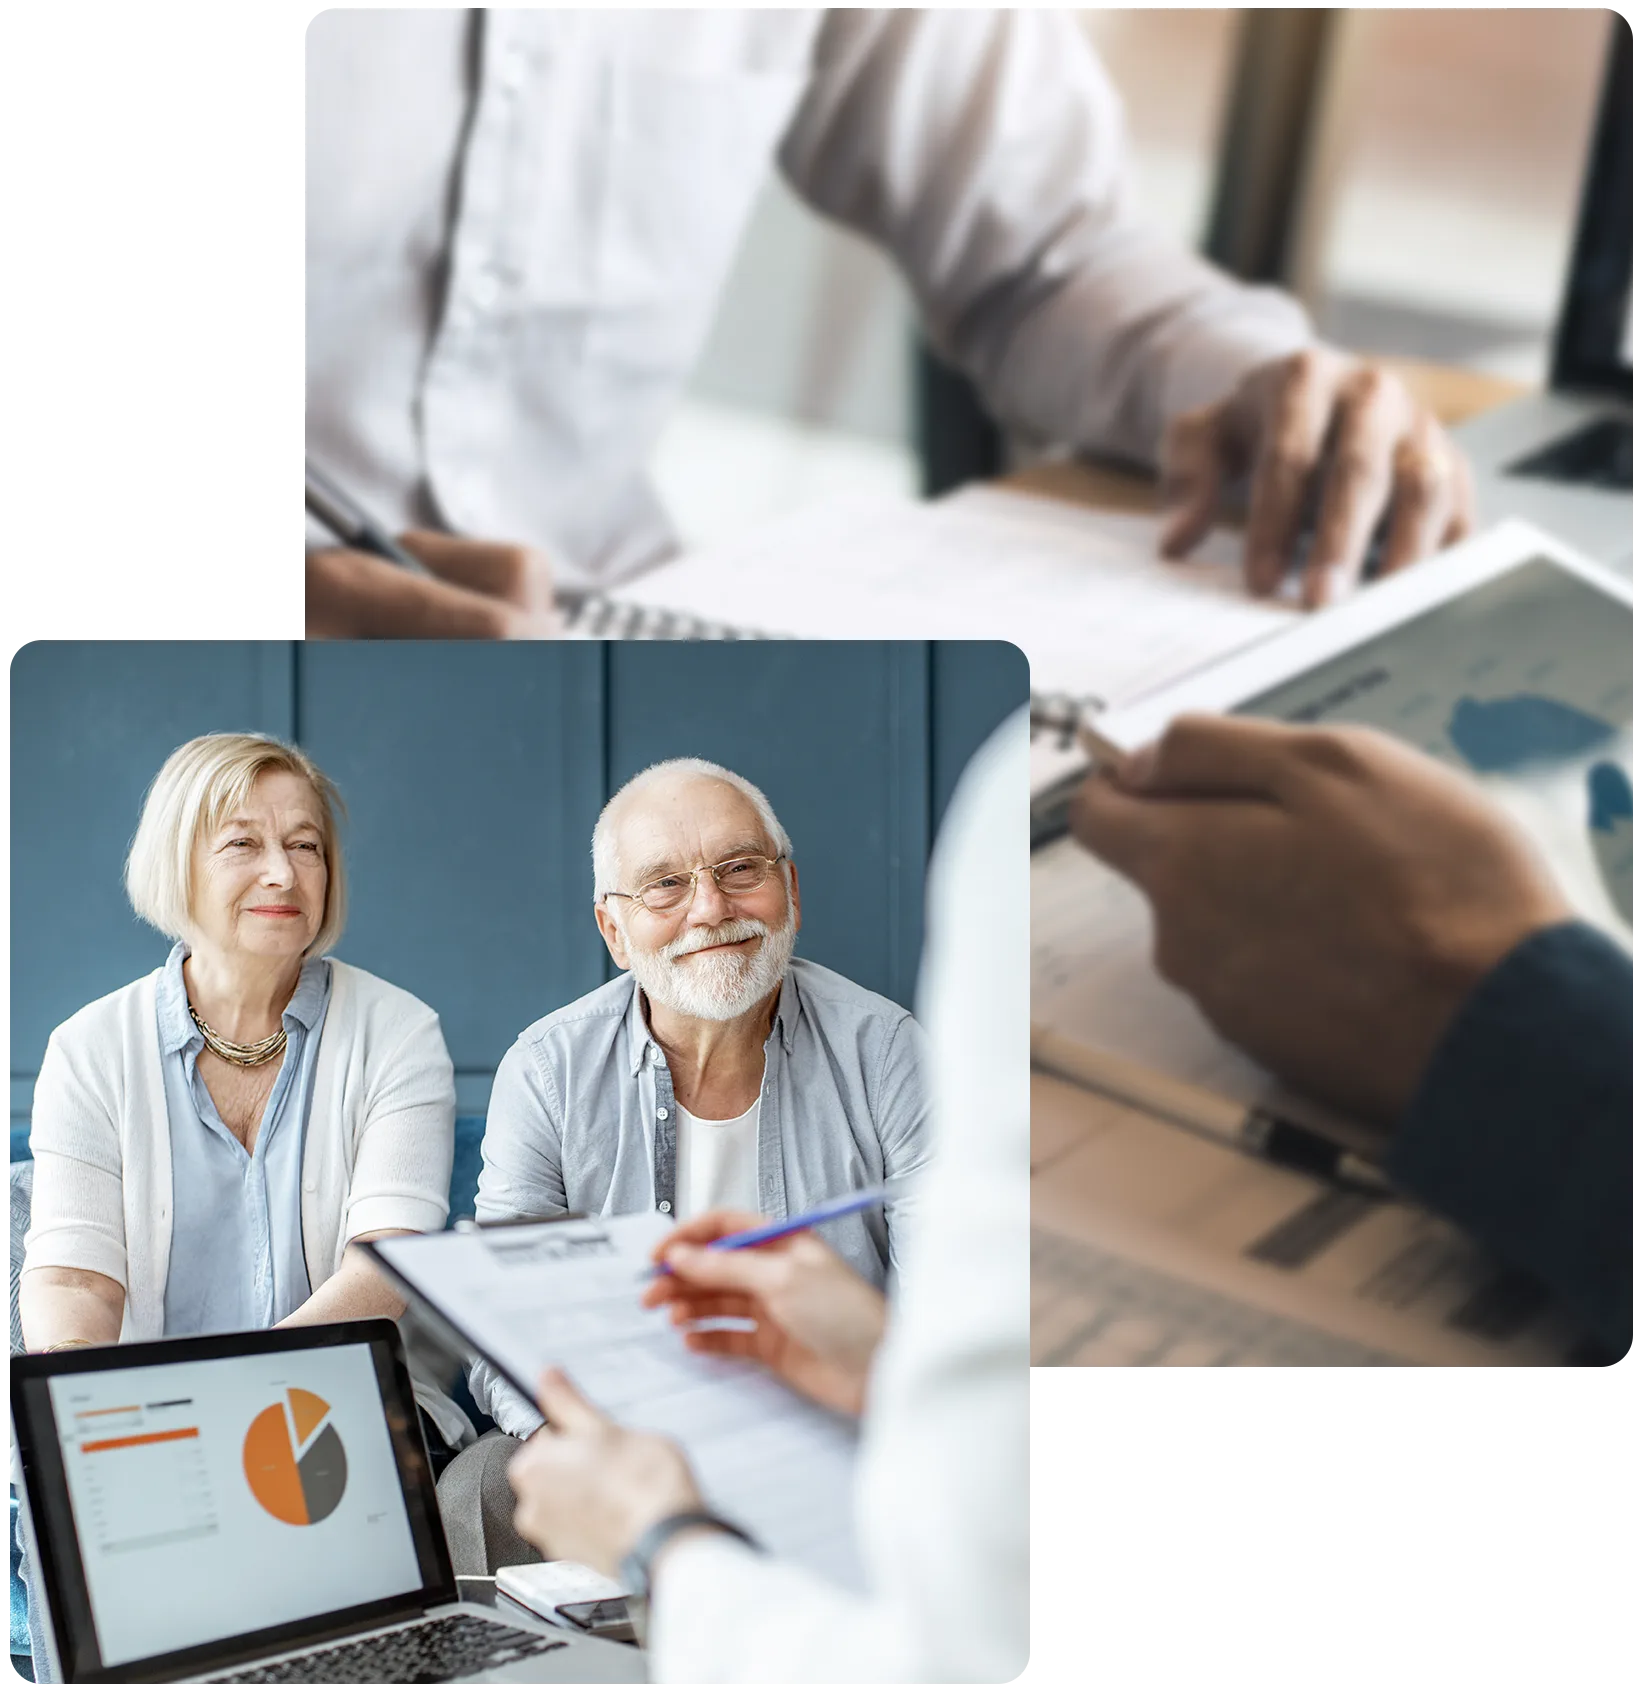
[[240, 1053]]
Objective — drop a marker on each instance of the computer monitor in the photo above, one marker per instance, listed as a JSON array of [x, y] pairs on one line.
[[1593, 350]]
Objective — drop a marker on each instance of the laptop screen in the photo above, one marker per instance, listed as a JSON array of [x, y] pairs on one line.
[[241, 1497]]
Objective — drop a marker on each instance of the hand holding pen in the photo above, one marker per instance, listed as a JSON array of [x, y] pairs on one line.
[[803, 1312], [423, 583]]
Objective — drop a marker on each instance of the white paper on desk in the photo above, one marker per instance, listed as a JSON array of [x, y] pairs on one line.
[[544, 1586], [567, 1294], [1083, 593]]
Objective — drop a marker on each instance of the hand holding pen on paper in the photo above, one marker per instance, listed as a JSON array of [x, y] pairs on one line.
[[757, 1230], [422, 584], [811, 1319]]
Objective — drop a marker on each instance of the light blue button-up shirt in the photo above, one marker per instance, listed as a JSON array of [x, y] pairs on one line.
[[237, 1259], [583, 1119]]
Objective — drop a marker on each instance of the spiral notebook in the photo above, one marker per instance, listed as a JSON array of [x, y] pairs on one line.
[[1099, 615]]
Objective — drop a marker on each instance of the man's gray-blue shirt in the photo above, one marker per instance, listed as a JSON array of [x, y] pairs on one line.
[[583, 1120]]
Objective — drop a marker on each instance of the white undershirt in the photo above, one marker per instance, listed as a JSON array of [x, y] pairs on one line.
[[715, 1161]]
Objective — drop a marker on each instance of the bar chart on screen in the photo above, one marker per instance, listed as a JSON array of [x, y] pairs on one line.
[[143, 1476]]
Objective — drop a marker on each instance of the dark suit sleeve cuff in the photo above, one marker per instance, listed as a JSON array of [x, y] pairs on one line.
[[1521, 1131]]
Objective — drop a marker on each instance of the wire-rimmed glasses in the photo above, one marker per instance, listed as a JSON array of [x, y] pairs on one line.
[[744, 874]]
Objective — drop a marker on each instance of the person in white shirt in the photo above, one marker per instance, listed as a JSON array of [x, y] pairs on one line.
[[518, 224], [941, 1491]]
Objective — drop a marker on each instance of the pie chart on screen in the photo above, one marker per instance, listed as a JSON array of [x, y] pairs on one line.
[[294, 1459]]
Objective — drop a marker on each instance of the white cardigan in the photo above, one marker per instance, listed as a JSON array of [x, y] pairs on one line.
[[378, 1146]]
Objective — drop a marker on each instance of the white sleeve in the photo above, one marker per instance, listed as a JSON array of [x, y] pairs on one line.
[[77, 1218], [942, 1486], [404, 1154], [987, 152]]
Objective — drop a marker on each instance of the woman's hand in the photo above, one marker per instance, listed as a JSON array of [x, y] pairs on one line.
[[60, 1305], [814, 1322], [586, 1489]]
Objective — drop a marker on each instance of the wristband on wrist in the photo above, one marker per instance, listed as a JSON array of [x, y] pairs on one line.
[[69, 1343], [636, 1569]]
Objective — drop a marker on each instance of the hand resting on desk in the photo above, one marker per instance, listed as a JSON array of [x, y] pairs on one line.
[[817, 1323], [1329, 897], [478, 589], [1318, 427]]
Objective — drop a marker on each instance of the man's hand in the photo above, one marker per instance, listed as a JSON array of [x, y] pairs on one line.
[[816, 1323], [1328, 897], [479, 589], [586, 1489], [1318, 428]]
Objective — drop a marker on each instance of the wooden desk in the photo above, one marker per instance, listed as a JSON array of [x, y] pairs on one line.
[[1453, 394]]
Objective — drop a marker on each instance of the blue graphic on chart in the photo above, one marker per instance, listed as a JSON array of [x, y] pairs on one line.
[[1524, 731], [1610, 830], [1527, 683], [1521, 730]]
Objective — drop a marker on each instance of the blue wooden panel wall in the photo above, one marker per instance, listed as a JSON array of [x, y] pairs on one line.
[[473, 774], [837, 739], [91, 724]]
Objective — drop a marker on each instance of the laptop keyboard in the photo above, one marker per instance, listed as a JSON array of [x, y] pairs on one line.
[[434, 1651], [1599, 455]]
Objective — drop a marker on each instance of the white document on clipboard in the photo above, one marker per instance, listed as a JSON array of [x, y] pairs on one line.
[[567, 1293]]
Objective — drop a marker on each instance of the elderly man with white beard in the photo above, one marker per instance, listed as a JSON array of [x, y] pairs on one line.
[[717, 1071]]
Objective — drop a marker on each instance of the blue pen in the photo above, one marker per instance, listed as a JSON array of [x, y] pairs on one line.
[[856, 1201]]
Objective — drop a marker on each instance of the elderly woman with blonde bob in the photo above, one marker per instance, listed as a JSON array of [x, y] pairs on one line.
[[210, 1140]]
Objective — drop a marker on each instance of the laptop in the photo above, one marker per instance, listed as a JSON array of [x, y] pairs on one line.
[[1564, 459], [257, 1508]]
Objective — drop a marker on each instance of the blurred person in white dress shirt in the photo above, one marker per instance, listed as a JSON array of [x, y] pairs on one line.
[[519, 223], [941, 1376]]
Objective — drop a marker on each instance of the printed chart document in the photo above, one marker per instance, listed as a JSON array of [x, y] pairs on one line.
[[567, 1294], [1151, 1246], [1524, 684], [1093, 979]]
